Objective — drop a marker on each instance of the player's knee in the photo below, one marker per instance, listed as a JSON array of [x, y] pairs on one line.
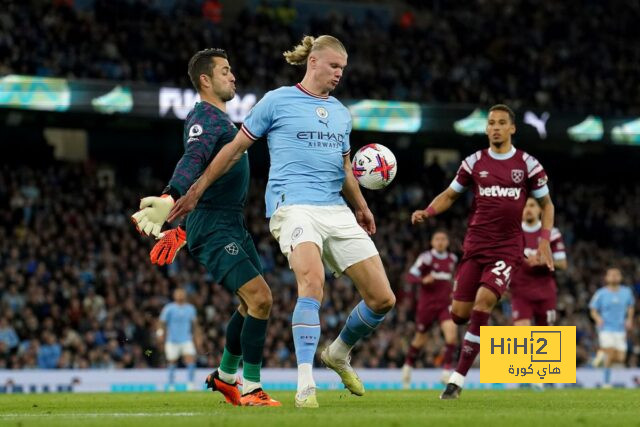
[[383, 304], [261, 301], [459, 320]]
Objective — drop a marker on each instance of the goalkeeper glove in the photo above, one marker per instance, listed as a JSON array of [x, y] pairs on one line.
[[152, 214], [169, 243]]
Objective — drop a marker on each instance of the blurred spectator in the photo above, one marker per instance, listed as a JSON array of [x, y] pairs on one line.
[[522, 52]]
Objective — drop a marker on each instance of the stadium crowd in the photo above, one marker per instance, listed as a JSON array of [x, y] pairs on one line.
[[431, 51], [77, 289]]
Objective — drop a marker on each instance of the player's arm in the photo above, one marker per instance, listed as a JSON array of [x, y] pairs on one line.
[[155, 210], [351, 191], [593, 309], [596, 317], [629, 321], [223, 161], [160, 332], [439, 204], [197, 337], [544, 247]]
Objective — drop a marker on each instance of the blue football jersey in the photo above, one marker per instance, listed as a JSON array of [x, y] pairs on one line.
[[179, 319], [612, 307], [308, 137]]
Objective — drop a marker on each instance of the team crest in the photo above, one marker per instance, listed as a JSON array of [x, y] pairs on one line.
[[232, 248], [322, 112], [517, 175]]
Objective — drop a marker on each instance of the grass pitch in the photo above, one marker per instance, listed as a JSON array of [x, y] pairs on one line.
[[375, 409]]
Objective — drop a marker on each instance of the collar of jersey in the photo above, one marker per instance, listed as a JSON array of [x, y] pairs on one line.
[[503, 156], [307, 92], [439, 255], [531, 228]]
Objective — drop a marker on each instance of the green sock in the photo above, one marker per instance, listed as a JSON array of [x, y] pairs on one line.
[[233, 347], [253, 335], [229, 363]]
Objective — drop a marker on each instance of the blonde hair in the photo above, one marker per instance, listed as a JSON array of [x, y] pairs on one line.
[[299, 54]]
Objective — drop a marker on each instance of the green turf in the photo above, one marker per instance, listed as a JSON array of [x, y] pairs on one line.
[[378, 408]]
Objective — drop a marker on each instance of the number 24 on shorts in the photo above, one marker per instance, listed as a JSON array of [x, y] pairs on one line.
[[502, 269]]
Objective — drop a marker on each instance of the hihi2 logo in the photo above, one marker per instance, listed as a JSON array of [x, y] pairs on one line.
[[528, 354]]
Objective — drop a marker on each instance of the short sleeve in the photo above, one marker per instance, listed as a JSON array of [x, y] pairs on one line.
[[557, 245], [346, 144], [260, 119], [463, 178], [595, 301], [164, 314], [536, 177]]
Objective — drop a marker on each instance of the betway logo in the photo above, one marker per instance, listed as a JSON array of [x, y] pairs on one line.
[[497, 191]]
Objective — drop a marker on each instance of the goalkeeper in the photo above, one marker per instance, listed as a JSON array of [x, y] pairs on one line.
[[216, 232]]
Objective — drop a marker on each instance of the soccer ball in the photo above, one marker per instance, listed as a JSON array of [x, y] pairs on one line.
[[374, 166]]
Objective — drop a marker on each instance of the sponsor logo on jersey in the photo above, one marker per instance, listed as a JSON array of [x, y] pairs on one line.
[[517, 175], [497, 191], [320, 136], [441, 275], [484, 174], [195, 130], [542, 181]]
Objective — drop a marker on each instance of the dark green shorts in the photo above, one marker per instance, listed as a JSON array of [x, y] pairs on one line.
[[219, 240]]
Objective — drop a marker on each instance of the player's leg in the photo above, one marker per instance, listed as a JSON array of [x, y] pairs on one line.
[[232, 352], [371, 281], [450, 332], [171, 353], [307, 266], [189, 359], [415, 346], [297, 232], [609, 358], [257, 296], [521, 310]]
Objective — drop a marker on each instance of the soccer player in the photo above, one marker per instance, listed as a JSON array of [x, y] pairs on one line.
[[501, 178], [178, 319], [216, 233], [612, 310], [533, 287], [308, 137], [433, 273]]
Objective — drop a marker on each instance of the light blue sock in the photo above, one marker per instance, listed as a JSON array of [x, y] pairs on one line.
[[360, 323], [306, 329], [191, 371], [172, 373], [607, 375]]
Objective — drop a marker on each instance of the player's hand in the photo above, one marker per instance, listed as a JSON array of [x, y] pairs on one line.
[[152, 214], [366, 221], [599, 322], [628, 324], [532, 260], [185, 204], [418, 217], [169, 243], [544, 254], [428, 279]]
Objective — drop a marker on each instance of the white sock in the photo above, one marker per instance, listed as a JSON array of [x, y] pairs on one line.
[[457, 379], [227, 378], [305, 376], [339, 349], [249, 386]]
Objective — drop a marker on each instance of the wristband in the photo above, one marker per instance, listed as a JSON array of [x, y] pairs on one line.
[[431, 211], [545, 234]]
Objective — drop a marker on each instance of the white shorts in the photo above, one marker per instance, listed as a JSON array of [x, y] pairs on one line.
[[173, 351], [333, 229], [617, 340]]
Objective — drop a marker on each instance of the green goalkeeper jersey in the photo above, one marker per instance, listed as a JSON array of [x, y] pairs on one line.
[[206, 130]]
